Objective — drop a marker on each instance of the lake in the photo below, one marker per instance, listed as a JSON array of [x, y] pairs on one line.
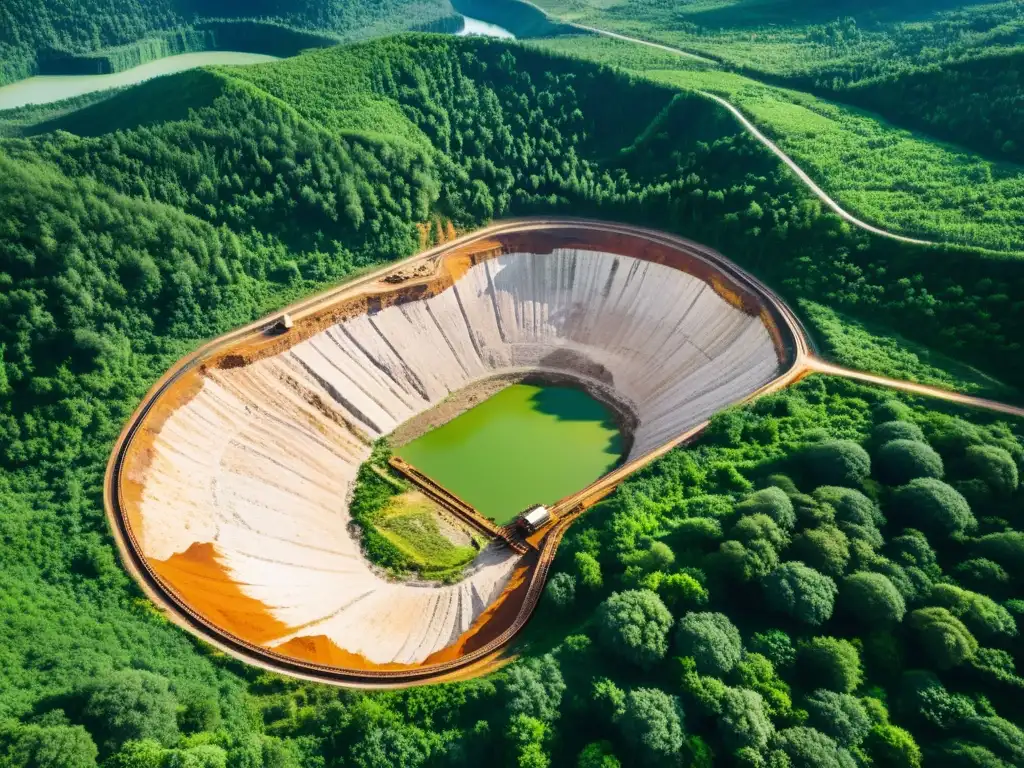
[[477, 27], [46, 89], [528, 444]]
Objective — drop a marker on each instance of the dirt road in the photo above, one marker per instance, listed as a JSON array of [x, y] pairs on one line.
[[771, 145]]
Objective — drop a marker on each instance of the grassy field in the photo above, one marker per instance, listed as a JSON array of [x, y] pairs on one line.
[[855, 344], [903, 181], [418, 528]]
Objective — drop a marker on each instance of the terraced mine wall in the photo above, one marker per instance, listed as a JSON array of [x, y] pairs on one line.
[[231, 486]]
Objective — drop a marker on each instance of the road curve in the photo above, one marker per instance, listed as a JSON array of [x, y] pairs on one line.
[[771, 145], [800, 362]]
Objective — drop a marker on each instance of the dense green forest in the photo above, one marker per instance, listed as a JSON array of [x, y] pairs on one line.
[[978, 102], [902, 181], [829, 578], [66, 37], [946, 67]]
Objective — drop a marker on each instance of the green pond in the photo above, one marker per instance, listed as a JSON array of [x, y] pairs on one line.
[[527, 444]]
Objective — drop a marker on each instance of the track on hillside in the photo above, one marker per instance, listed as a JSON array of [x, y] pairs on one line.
[[749, 126]]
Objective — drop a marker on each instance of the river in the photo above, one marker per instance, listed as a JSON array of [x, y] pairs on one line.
[[477, 27], [46, 89], [527, 444]]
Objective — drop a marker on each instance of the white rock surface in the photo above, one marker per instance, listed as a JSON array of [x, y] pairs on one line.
[[252, 464]]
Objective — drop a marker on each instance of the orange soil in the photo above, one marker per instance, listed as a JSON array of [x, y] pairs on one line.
[[137, 460], [198, 573], [498, 617], [320, 649]]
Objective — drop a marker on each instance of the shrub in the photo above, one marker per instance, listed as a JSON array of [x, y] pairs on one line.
[[744, 722], [958, 754], [999, 735], [702, 692], [712, 641], [598, 754], [838, 462], [934, 507], [923, 698], [828, 662], [775, 645], [808, 748], [772, 502], [982, 615], [747, 562], [891, 410], [801, 592], [753, 528], [653, 725], [872, 599], [1005, 548], [608, 698], [811, 513], [896, 430], [681, 590], [131, 705], [588, 570], [893, 747], [995, 466], [982, 574], [562, 590], [635, 625], [851, 507], [943, 636], [534, 688], [900, 461], [838, 715], [55, 746], [825, 549], [913, 549], [658, 557]]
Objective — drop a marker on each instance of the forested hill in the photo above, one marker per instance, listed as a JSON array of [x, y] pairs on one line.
[[41, 33]]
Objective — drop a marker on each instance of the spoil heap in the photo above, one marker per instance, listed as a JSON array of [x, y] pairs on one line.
[[257, 465]]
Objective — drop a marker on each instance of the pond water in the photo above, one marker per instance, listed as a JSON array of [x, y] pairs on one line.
[[477, 27], [46, 89], [527, 444]]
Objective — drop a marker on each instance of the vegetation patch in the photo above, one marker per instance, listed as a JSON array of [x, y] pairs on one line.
[[405, 532], [865, 347]]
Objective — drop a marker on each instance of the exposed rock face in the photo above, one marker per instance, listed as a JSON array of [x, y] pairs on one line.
[[260, 462]]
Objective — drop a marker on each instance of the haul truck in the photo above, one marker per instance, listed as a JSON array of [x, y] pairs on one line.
[[534, 518]]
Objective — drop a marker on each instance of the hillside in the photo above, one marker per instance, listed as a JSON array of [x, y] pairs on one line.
[[834, 570], [111, 35], [919, 64]]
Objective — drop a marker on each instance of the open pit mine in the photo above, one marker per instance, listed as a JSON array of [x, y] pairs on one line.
[[229, 488]]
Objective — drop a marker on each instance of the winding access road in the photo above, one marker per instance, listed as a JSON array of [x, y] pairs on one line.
[[801, 362], [747, 124]]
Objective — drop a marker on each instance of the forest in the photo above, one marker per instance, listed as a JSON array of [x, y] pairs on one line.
[[830, 577], [947, 68], [887, 175], [111, 35]]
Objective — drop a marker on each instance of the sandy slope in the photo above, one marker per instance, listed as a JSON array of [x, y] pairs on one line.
[[259, 463]]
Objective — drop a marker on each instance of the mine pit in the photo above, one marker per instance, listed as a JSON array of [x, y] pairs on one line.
[[234, 479]]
